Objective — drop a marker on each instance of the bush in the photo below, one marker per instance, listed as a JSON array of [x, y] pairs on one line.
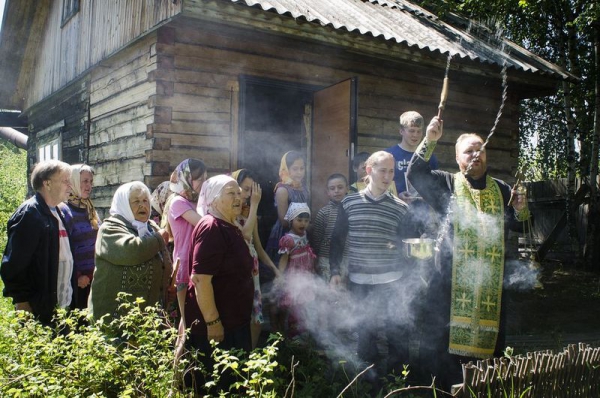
[[13, 180], [131, 356]]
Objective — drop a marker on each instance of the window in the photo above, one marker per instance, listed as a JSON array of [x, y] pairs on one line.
[[49, 151], [70, 8]]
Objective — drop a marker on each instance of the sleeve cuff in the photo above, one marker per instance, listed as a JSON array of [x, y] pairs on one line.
[[425, 149]]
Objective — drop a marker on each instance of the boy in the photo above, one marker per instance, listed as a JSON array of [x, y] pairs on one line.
[[371, 223], [358, 165], [322, 227], [411, 134]]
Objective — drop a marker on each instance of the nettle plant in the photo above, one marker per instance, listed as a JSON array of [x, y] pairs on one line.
[[131, 356]]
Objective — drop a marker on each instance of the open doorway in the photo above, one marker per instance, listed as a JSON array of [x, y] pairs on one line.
[[277, 116], [271, 123]]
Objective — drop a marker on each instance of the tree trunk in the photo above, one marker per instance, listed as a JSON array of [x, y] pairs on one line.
[[570, 136], [592, 248]]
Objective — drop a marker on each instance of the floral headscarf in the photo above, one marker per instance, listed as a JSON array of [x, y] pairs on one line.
[[160, 196], [75, 198], [181, 181]]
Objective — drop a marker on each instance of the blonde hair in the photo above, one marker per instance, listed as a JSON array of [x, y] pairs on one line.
[[465, 136], [375, 159], [411, 119]]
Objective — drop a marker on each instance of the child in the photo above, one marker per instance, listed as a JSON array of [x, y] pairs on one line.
[[297, 260], [411, 134], [251, 193], [337, 188], [291, 188], [358, 165]]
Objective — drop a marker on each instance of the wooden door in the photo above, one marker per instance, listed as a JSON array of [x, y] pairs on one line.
[[333, 137]]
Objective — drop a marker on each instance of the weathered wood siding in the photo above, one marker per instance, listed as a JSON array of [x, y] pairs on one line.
[[120, 112], [99, 29], [64, 117], [202, 59]]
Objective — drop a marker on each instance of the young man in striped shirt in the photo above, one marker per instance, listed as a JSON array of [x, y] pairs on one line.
[[372, 222]]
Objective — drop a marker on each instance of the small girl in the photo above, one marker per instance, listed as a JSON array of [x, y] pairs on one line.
[[296, 262], [290, 189]]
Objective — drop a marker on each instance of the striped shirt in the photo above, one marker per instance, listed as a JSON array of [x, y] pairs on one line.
[[322, 228], [373, 230]]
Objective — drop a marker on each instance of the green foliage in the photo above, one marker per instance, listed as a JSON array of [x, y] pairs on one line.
[[13, 180], [129, 357], [133, 356], [562, 32]]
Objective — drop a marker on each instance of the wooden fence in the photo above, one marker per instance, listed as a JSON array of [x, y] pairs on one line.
[[574, 372]]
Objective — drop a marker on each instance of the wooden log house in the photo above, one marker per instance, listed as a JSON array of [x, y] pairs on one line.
[[132, 87]]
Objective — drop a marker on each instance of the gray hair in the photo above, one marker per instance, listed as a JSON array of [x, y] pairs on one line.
[[43, 171]]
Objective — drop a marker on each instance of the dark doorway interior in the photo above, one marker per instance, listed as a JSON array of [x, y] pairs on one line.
[[271, 123]]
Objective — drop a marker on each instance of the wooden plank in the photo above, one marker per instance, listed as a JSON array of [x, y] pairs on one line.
[[118, 79], [206, 117], [135, 95], [196, 140], [195, 89], [130, 147], [118, 131], [126, 115], [192, 103], [215, 159], [119, 171], [191, 128]]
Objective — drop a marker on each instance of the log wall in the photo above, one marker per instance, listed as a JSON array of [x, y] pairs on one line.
[[173, 94], [64, 117], [202, 61], [67, 51], [120, 111]]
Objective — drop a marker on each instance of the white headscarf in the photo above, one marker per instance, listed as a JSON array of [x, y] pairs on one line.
[[295, 209], [120, 205], [210, 190]]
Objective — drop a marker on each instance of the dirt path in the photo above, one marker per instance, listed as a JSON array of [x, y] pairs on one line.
[[565, 310]]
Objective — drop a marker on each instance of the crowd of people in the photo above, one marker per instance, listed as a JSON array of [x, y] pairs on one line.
[[194, 242]]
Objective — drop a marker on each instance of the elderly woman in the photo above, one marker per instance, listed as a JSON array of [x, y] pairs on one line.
[[131, 253], [81, 222], [219, 302]]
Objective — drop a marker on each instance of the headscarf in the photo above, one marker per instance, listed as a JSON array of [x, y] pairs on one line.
[[295, 209], [75, 198], [181, 181], [245, 205], [160, 196], [120, 205], [211, 190], [284, 173]]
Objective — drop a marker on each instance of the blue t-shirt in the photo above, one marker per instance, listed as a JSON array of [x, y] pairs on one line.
[[402, 160]]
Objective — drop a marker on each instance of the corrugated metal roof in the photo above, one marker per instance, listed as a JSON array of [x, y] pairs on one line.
[[409, 24]]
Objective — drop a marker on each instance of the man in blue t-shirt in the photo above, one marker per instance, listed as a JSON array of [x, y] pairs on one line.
[[411, 133]]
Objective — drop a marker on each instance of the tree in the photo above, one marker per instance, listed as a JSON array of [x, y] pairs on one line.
[[565, 32]]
